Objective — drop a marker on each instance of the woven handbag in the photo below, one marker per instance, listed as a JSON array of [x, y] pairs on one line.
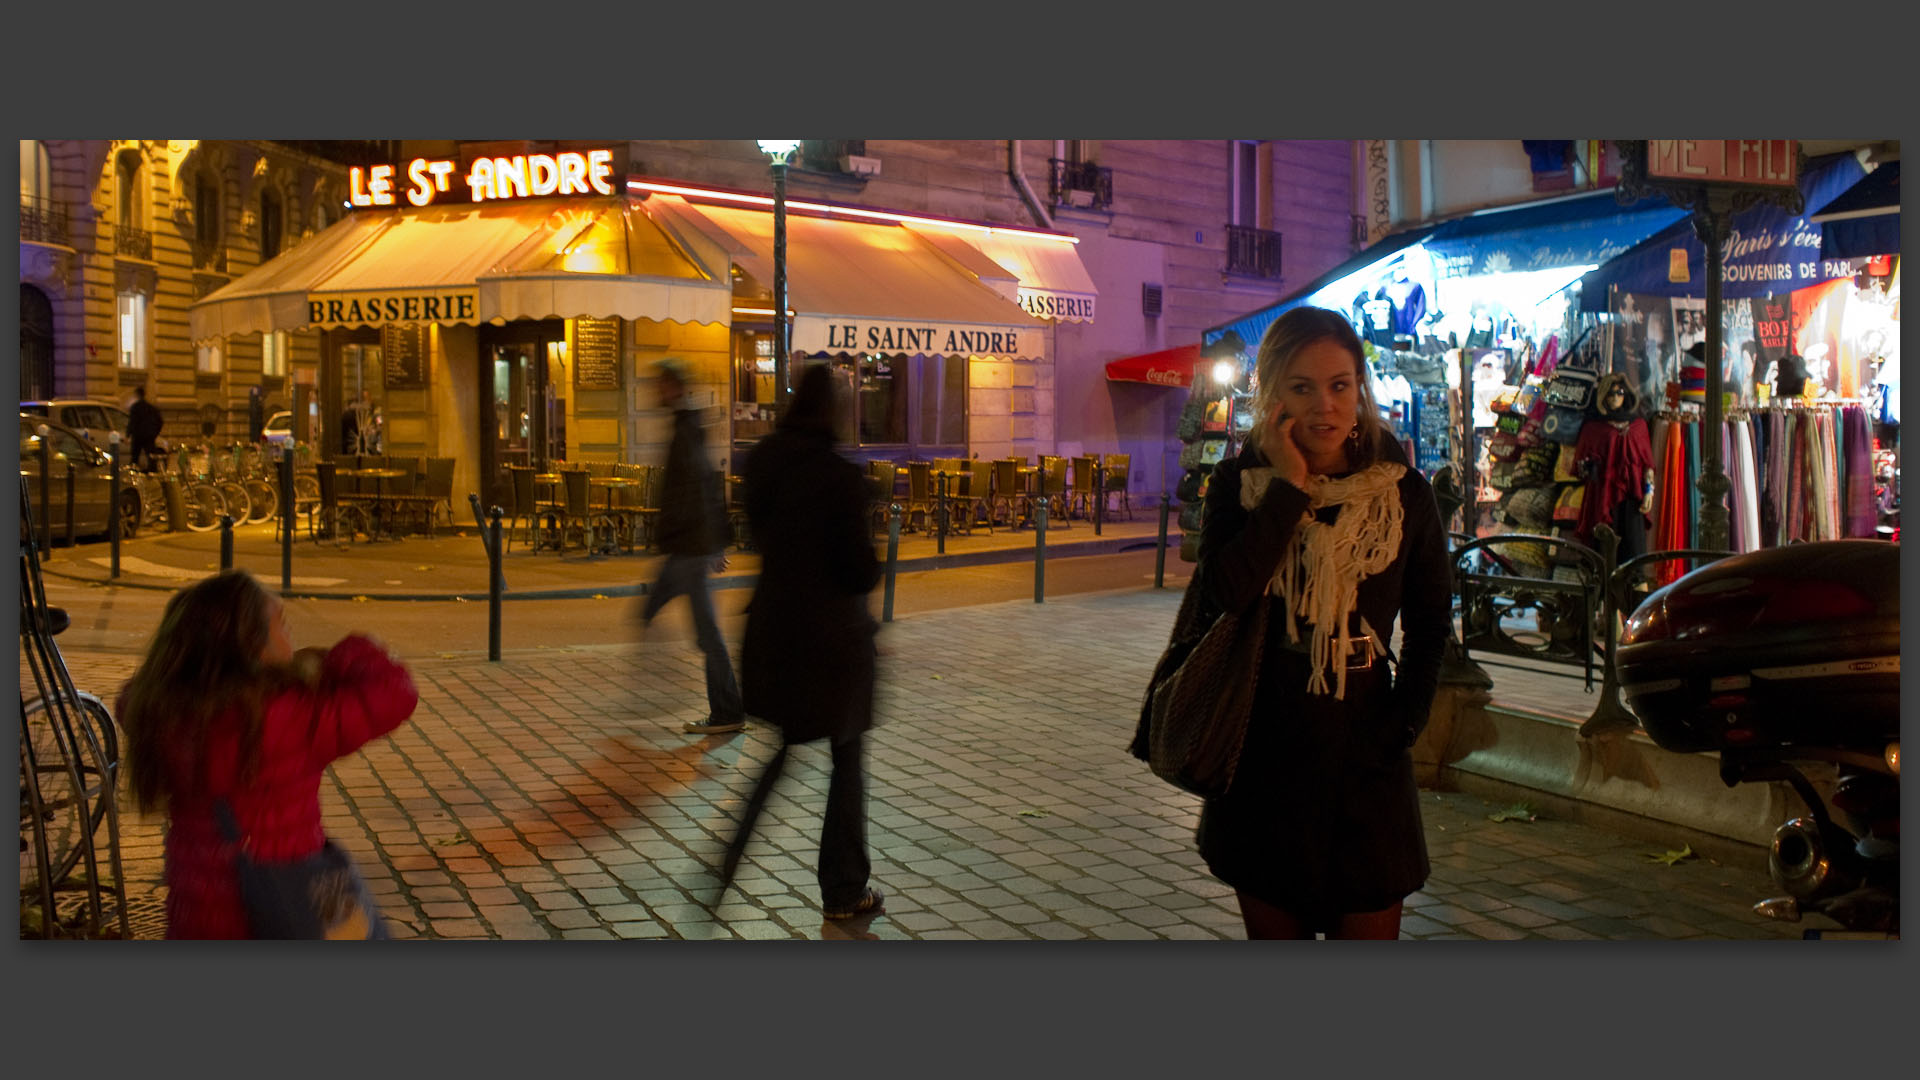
[[1193, 722]]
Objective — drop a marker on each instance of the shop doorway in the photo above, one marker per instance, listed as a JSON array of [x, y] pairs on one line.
[[36, 345], [522, 401], [357, 365]]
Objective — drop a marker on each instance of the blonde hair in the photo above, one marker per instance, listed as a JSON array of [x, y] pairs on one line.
[[1282, 344]]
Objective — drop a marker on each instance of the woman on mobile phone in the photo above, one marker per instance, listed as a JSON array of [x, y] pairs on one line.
[[1322, 518]]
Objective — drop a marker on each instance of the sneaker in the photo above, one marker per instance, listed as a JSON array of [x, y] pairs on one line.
[[870, 901], [712, 726]]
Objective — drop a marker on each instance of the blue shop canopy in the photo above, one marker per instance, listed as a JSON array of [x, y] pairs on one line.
[[1769, 250], [1253, 327], [1865, 219], [1581, 230]]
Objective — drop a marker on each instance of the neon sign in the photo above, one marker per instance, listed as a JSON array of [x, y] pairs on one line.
[[522, 176]]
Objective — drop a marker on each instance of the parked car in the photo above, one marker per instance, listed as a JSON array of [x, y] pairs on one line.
[[91, 420], [278, 429], [92, 480]]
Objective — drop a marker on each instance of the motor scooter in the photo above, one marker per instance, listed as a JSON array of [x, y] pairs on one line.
[[1786, 662]]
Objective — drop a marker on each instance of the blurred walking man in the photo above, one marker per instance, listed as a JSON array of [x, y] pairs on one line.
[[692, 530]]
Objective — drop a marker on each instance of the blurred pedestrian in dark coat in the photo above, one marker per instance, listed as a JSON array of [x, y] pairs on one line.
[[808, 662], [143, 429], [692, 530]]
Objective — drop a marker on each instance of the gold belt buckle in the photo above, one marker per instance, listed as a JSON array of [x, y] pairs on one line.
[[1362, 647]]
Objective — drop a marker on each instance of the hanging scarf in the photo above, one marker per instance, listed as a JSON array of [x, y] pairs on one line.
[[1320, 574]]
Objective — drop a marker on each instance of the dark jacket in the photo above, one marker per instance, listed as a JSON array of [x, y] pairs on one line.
[[1323, 816], [143, 424], [693, 518], [807, 662]]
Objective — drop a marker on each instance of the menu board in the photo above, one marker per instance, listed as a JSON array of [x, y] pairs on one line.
[[596, 354], [403, 350]]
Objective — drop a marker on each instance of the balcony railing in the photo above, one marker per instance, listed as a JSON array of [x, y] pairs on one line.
[[214, 261], [1080, 183], [43, 221], [1253, 252], [136, 243]]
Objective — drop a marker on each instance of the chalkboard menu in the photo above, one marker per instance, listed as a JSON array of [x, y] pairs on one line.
[[404, 354], [596, 354]]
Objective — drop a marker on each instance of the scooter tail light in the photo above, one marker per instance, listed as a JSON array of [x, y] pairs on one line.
[[1813, 601], [1649, 623]]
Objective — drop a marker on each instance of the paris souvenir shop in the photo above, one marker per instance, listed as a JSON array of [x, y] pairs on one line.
[[1541, 312]]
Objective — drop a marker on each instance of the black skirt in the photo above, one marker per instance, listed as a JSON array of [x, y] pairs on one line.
[[1323, 817]]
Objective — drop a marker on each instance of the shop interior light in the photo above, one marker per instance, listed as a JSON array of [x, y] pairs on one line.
[[761, 311], [841, 211]]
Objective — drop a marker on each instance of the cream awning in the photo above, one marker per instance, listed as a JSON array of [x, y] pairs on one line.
[[867, 287], [472, 264], [1052, 281]]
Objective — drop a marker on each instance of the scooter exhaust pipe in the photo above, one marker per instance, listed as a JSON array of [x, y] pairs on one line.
[[1802, 863]]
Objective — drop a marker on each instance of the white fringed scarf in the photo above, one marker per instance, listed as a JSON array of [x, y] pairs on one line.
[[1320, 574]]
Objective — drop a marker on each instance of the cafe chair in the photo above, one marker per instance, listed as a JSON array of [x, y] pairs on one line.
[[920, 495], [881, 474], [330, 518], [520, 483], [577, 516], [641, 503], [438, 490], [1009, 490], [1118, 466], [979, 494], [1053, 489], [1080, 487]]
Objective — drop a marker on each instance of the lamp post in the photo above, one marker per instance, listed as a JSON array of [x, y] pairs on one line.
[[780, 150]]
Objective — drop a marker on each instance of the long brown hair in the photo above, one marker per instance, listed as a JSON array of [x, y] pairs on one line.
[[203, 661], [1289, 335]]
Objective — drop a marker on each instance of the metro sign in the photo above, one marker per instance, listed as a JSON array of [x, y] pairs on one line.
[[522, 176], [1769, 163]]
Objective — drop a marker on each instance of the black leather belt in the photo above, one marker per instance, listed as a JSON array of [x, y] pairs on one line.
[[1359, 656]]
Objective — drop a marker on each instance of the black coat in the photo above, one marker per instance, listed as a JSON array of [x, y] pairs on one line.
[[807, 663], [1323, 816], [692, 507], [143, 424]]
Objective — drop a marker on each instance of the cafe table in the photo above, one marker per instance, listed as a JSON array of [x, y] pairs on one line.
[[615, 513], [385, 512]]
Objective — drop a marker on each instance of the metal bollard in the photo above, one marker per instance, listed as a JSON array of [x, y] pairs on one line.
[[46, 492], [1160, 552], [893, 560], [940, 516], [113, 505], [1099, 494], [1040, 553], [226, 542], [493, 584], [286, 518]]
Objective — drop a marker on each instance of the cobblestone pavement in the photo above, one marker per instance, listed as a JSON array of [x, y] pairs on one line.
[[553, 796]]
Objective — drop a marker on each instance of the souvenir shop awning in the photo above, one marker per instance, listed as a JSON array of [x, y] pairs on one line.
[[1253, 327], [1579, 230], [1770, 250], [1168, 367], [563, 258], [1865, 219], [859, 286]]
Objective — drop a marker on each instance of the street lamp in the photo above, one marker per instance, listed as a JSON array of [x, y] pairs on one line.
[[780, 150]]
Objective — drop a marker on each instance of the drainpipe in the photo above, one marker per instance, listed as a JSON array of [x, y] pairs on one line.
[[1034, 204]]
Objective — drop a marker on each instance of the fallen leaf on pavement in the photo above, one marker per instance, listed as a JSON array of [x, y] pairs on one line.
[[1673, 858], [449, 841], [423, 569], [600, 596], [359, 599], [1517, 812], [460, 599], [1030, 813], [938, 676]]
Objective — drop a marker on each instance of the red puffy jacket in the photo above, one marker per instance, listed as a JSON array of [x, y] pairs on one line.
[[362, 693]]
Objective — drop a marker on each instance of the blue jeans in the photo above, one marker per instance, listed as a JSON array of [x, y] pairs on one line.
[[687, 574]]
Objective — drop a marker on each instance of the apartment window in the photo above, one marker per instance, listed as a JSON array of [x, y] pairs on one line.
[[36, 171], [1246, 182], [206, 213], [272, 224], [273, 353], [126, 191], [207, 360], [133, 331]]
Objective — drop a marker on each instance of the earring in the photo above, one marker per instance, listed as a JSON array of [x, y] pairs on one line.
[[1353, 435]]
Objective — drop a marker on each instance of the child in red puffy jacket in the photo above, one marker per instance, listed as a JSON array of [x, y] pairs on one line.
[[224, 709]]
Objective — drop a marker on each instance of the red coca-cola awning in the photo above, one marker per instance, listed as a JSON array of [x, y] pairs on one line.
[[1168, 367]]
